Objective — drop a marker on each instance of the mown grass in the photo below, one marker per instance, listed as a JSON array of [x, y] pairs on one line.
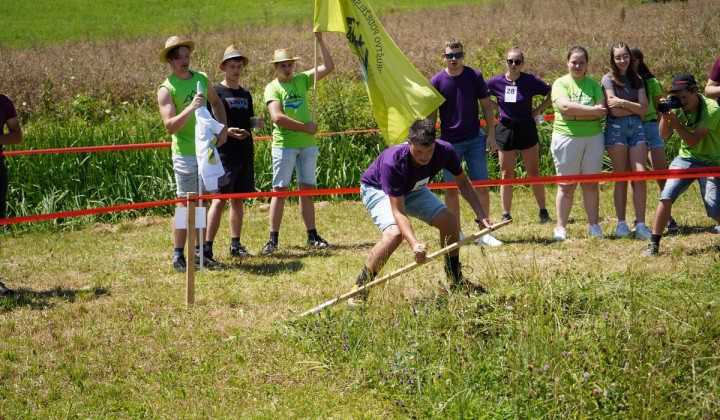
[[584, 328]]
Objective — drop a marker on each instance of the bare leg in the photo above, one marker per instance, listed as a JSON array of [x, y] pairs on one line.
[[619, 159], [213, 219], [591, 201], [449, 229], [531, 158], [389, 242], [563, 203], [637, 163], [277, 206], [236, 217], [507, 171], [307, 206]]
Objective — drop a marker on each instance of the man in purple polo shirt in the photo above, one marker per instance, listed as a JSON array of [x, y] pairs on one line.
[[395, 186], [463, 87]]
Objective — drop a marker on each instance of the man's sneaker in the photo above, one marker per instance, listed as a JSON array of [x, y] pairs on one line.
[[467, 287], [269, 248], [179, 264], [209, 262], [359, 299], [489, 240], [622, 230], [595, 232], [4, 291], [716, 229], [505, 217], [544, 216], [672, 226], [238, 250], [318, 243], [642, 231], [560, 233], [651, 249]]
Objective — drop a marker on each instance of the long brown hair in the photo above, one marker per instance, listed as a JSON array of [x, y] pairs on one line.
[[615, 71]]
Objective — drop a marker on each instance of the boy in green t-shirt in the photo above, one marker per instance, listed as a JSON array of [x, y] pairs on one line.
[[178, 99], [293, 144], [697, 123]]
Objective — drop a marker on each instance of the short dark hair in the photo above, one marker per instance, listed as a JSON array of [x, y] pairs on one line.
[[175, 52], [422, 133], [453, 43]]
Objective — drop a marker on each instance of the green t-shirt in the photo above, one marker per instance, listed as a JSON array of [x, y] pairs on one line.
[[293, 97], [586, 92], [653, 90], [183, 92], [708, 150]]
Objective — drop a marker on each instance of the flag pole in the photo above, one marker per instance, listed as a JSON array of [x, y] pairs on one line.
[[315, 77]]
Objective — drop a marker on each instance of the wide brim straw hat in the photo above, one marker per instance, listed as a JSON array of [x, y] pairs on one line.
[[283, 54], [233, 52], [172, 42]]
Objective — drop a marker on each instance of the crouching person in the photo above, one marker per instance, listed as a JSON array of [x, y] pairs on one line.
[[395, 186], [696, 119]]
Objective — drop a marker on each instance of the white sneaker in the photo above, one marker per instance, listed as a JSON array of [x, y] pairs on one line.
[[462, 235], [622, 230], [716, 229], [560, 233], [596, 232], [642, 231], [489, 240]]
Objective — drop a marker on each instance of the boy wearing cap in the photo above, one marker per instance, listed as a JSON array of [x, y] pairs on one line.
[[697, 123], [236, 154], [293, 144], [178, 99]]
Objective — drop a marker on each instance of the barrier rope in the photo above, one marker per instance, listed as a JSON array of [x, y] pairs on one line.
[[118, 147], [602, 177]]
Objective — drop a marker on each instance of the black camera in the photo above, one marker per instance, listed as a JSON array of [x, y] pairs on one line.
[[671, 102]]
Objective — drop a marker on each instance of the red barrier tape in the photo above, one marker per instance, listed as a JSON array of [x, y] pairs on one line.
[[602, 177], [117, 147]]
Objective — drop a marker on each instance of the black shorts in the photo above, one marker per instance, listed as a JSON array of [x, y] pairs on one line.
[[516, 135], [238, 178]]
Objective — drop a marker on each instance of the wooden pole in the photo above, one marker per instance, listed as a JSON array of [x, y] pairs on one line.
[[190, 273], [385, 278]]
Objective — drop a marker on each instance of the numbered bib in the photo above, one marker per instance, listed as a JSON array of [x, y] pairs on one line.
[[511, 93], [421, 183]]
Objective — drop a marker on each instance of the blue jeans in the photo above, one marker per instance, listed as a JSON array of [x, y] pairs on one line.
[[303, 159], [626, 131], [421, 203], [708, 186], [475, 155], [652, 135]]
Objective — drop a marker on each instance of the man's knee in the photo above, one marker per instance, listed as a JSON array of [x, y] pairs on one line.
[[392, 234]]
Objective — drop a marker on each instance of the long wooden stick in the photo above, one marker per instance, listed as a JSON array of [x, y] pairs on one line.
[[405, 269]]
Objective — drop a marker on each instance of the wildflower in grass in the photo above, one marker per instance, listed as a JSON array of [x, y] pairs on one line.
[[598, 392], [546, 367], [586, 375], [708, 314], [660, 330], [510, 308]]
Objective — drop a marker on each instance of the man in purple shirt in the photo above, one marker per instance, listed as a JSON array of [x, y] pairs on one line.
[[463, 87], [9, 118], [712, 88], [395, 186]]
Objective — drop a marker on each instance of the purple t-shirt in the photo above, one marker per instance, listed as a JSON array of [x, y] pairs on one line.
[[526, 86], [7, 111], [394, 173], [715, 72], [459, 114]]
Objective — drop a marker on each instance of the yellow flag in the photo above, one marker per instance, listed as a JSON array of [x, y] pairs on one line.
[[398, 92]]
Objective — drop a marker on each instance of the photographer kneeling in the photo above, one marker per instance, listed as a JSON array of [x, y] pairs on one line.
[[696, 119]]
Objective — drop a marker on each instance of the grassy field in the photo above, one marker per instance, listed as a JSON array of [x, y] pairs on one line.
[[581, 329]]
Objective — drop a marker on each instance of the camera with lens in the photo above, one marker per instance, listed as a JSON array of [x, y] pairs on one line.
[[671, 102]]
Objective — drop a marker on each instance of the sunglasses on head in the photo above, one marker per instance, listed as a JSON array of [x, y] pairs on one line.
[[453, 55], [516, 61]]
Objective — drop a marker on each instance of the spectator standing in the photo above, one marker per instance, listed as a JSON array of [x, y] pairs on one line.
[[9, 119]]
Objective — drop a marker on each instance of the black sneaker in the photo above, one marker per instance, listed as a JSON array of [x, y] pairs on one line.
[[4, 291], [317, 242], [467, 287], [544, 216], [209, 262], [505, 217], [179, 264], [238, 250], [672, 226], [269, 248]]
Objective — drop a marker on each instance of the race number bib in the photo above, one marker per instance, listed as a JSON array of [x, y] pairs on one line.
[[511, 94], [421, 183]]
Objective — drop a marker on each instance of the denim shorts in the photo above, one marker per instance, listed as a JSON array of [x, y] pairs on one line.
[[625, 131], [708, 186], [285, 160], [186, 174], [577, 155], [421, 204], [652, 135], [473, 151]]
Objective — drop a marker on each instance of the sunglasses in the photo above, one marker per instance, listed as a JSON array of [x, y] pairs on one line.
[[516, 61], [450, 56]]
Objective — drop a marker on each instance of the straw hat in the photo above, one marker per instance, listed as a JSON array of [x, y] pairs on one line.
[[283, 54], [172, 42], [233, 52]]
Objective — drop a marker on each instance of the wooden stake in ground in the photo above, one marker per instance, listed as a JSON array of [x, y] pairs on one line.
[[385, 278], [190, 273]]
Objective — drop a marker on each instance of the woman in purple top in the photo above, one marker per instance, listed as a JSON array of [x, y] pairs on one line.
[[516, 129], [625, 139]]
